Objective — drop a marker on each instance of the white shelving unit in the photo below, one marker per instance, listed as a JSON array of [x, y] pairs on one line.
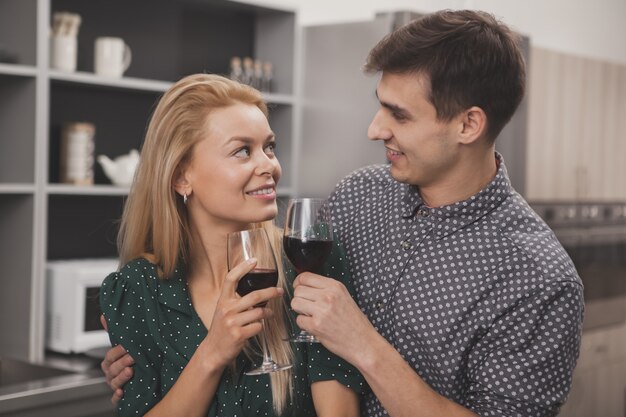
[[42, 219]]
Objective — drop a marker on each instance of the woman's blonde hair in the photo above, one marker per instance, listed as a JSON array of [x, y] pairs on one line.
[[155, 223]]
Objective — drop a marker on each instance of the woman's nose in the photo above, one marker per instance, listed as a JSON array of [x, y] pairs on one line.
[[267, 164], [377, 129]]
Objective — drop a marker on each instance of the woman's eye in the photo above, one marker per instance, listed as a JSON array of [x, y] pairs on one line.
[[242, 153], [270, 148]]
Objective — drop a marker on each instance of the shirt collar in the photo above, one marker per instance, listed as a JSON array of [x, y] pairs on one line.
[[173, 291], [453, 217]]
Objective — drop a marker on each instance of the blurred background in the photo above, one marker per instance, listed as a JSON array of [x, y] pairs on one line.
[[79, 80]]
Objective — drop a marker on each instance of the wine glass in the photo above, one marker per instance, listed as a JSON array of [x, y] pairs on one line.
[[242, 246], [307, 241]]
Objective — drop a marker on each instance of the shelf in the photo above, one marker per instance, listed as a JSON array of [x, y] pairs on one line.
[[127, 83], [14, 188], [97, 190], [18, 70], [140, 84]]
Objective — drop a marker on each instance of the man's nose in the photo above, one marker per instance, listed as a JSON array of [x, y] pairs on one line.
[[377, 129]]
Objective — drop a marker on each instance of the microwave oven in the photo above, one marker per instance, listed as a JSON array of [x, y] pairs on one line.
[[73, 305]]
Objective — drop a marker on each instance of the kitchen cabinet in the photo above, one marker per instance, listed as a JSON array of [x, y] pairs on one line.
[[42, 219], [575, 142], [598, 387]]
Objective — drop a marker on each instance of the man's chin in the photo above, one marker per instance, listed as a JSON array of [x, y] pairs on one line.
[[398, 174]]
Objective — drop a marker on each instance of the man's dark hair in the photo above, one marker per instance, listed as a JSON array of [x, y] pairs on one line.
[[470, 58]]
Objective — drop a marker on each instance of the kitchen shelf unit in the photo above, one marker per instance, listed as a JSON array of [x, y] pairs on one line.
[[42, 219]]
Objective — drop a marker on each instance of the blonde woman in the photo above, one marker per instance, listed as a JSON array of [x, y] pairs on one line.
[[208, 168]]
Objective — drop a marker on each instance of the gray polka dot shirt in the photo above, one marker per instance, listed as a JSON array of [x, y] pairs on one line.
[[478, 297]]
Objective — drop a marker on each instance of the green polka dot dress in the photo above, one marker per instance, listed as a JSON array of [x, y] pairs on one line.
[[156, 323]]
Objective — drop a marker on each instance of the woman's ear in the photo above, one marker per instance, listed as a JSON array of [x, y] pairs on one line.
[[474, 125], [180, 183]]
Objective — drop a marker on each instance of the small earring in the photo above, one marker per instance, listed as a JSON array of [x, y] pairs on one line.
[[185, 198]]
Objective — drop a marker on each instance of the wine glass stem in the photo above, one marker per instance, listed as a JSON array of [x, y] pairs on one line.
[[267, 358]]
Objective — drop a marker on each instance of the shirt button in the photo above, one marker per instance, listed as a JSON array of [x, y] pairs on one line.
[[379, 304], [423, 212], [406, 245]]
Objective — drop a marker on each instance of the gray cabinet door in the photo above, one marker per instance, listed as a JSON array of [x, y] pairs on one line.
[[338, 104]]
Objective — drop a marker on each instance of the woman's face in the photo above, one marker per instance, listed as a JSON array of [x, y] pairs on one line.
[[233, 171]]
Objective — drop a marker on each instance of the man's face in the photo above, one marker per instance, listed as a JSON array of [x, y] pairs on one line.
[[421, 149]]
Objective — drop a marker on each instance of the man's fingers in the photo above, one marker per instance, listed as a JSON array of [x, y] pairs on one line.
[[306, 292], [303, 306], [122, 378], [310, 279], [119, 371], [112, 356], [235, 274], [104, 322], [305, 323], [117, 396]]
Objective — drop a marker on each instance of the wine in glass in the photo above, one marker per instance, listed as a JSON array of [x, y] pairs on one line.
[[307, 241], [242, 246]]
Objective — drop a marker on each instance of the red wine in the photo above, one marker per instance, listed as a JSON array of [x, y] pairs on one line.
[[306, 255], [257, 279]]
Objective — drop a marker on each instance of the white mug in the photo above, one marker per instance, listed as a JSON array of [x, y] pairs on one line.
[[112, 57], [63, 51]]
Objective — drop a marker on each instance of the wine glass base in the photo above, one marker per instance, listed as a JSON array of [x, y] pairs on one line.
[[303, 338], [267, 368]]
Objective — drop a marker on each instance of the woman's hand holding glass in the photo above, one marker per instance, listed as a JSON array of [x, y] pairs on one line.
[[236, 318], [244, 246]]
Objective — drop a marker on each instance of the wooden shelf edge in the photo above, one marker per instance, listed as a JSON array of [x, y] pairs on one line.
[[127, 83], [87, 190], [141, 84], [17, 188], [19, 70]]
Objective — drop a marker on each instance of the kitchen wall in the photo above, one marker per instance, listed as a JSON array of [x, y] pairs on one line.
[[591, 29]]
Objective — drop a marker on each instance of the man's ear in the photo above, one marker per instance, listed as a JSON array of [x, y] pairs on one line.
[[473, 125]]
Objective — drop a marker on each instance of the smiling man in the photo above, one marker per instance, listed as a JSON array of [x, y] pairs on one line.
[[466, 302]]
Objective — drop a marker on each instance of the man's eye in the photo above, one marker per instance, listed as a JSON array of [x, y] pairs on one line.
[[399, 116], [242, 153]]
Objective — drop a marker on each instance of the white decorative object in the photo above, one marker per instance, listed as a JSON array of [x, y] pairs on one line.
[[112, 57], [120, 170]]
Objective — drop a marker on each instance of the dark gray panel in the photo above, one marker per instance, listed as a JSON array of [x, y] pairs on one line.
[[83, 226], [16, 243], [18, 32], [17, 129]]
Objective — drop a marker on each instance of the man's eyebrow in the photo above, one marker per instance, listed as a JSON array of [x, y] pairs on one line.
[[394, 108]]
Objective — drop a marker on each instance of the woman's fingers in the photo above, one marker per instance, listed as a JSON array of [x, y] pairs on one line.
[[259, 297], [234, 275]]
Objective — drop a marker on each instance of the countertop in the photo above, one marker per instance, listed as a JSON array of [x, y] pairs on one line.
[[84, 391]]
